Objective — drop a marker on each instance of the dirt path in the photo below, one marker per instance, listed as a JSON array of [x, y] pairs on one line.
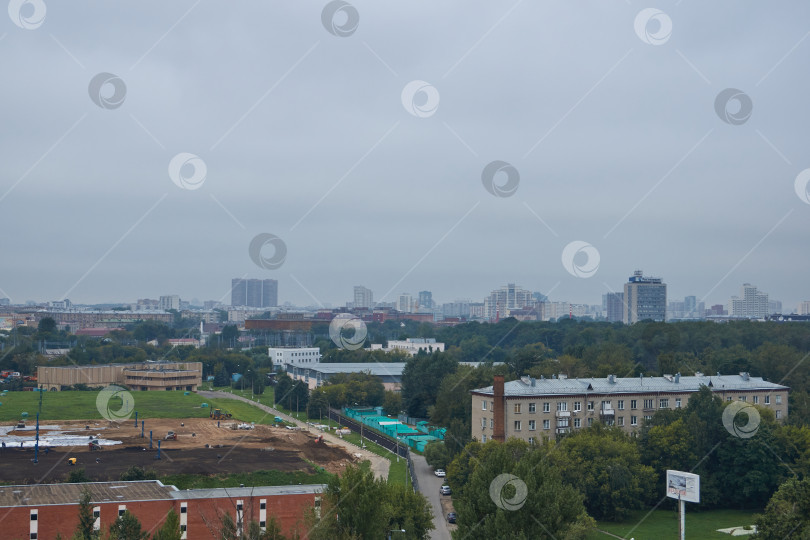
[[379, 465]]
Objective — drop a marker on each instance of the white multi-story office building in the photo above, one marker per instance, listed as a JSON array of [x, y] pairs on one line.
[[405, 303], [363, 298], [168, 302], [751, 305], [294, 355], [508, 297]]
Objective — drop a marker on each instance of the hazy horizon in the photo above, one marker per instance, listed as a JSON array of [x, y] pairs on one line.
[[403, 147]]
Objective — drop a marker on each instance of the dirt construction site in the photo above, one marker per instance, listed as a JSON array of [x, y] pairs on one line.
[[202, 446]]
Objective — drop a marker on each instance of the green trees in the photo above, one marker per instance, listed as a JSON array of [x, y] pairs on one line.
[[421, 379], [514, 492], [356, 505], [392, 403], [436, 455], [294, 395], [127, 527], [170, 530], [788, 512], [604, 464], [84, 530], [46, 325]]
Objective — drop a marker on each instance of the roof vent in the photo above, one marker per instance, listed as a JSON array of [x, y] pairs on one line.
[[745, 376], [612, 379], [533, 381], [677, 378], [698, 374]]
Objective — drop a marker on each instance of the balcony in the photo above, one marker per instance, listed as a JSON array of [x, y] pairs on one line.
[[563, 430], [563, 414], [607, 412]]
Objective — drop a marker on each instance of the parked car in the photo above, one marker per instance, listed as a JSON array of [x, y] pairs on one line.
[[451, 517], [440, 473], [445, 490]]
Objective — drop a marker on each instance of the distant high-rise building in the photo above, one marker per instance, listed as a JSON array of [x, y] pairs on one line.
[[690, 307], [459, 308], [171, 301], [425, 300], [363, 298], [644, 298], [751, 305], [5, 302], [261, 293], [505, 298], [717, 310], [774, 307], [405, 303], [803, 308], [614, 306]]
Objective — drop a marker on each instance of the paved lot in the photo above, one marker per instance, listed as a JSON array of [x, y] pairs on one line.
[[429, 485]]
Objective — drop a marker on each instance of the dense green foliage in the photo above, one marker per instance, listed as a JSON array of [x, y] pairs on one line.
[[357, 505], [788, 513], [531, 502]]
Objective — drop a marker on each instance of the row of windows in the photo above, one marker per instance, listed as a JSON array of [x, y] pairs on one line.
[[563, 424], [663, 403]]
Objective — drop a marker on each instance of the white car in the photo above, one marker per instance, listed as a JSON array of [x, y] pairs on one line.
[[440, 473]]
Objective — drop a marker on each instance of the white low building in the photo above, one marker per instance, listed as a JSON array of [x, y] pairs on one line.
[[411, 346], [294, 355]]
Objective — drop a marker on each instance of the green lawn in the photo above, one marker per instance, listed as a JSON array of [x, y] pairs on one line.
[[82, 405], [664, 524]]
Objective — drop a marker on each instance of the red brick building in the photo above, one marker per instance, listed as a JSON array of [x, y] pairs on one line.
[[43, 510]]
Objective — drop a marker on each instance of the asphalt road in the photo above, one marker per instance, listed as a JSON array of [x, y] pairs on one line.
[[429, 485]]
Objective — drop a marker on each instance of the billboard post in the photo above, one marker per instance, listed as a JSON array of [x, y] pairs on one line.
[[685, 487]]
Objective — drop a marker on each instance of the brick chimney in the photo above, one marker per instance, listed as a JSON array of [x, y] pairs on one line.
[[499, 409]]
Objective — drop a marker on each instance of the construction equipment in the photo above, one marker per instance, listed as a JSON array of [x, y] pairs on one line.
[[171, 436], [93, 445], [219, 414], [72, 461]]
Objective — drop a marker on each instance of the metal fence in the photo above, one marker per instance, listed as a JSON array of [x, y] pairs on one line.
[[378, 438]]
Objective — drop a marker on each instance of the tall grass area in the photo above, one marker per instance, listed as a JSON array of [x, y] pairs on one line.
[[664, 524], [256, 478]]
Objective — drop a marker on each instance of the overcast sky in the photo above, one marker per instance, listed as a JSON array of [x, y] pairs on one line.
[[605, 112]]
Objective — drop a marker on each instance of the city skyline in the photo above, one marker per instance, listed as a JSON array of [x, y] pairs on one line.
[[552, 146]]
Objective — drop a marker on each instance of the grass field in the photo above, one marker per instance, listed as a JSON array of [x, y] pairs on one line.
[[664, 524], [82, 405]]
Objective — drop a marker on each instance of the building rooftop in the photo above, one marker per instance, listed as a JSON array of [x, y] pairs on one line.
[[140, 490], [375, 368], [527, 386], [257, 491], [45, 494]]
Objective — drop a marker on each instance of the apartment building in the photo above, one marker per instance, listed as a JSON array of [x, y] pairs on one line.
[[531, 408]]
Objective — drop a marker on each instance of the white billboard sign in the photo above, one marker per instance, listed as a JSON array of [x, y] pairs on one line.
[[683, 486]]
